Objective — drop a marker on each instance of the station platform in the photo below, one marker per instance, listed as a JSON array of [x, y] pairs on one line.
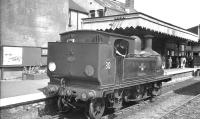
[[180, 74], [179, 70], [20, 91]]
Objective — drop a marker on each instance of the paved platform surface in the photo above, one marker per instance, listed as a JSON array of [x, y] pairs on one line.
[[21, 87], [179, 70], [18, 91]]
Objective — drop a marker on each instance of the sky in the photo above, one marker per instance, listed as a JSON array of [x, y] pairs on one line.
[[182, 13]]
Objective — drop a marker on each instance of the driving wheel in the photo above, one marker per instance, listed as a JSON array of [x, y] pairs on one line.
[[139, 92], [96, 108], [157, 89]]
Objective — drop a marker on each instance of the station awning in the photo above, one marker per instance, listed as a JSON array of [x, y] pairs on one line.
[[137, 20]]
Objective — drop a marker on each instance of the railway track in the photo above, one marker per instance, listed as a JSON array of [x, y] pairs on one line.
[[167, 103], [134, 108], [127, 112], [181, 107]]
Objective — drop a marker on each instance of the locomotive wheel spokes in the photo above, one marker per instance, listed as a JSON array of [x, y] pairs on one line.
[[96, 108], [125, 97], [62, 105], [139, 92], [157, 89]]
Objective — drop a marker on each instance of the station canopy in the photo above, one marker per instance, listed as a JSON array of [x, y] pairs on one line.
[[137, 21]]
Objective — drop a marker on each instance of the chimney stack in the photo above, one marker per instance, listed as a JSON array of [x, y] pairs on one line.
[[148, 45], [129, 5], [148, 42]]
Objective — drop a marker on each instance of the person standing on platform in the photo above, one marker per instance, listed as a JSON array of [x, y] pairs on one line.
[[170, 62], [163, 62], [183, 61], [177, 62], [192, 62]]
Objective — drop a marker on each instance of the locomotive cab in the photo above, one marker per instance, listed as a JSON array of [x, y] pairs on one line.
[[82, 59], [86, 58]]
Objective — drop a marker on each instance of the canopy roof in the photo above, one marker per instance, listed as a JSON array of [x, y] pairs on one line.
[[137, 20]]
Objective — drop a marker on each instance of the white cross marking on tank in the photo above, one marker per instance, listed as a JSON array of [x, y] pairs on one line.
[[108, 64], [142, 66]]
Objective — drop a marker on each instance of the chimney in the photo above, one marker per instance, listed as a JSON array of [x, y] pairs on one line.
[[148, 42], [148, 45], [129, 5]]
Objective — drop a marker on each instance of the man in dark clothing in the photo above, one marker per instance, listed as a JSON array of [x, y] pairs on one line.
[[121, 50], [177, 62]]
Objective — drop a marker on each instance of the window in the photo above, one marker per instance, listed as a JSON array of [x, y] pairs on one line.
[[170, 52], [71, 40], [92, 13], [44, 51], [121, 47], [182, 48]]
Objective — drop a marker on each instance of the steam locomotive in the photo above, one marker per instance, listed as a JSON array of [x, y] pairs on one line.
[[97, 70]]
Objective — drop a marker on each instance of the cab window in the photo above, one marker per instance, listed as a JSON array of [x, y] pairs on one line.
[[121, 47]]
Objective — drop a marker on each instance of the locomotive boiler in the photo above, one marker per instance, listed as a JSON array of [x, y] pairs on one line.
[[97, 70]]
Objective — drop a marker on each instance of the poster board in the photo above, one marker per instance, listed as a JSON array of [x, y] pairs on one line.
[[22, 56], [12, 55], [31, 56]]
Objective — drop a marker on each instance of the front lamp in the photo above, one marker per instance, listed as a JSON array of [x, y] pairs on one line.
[[89, 70], [52, 66]]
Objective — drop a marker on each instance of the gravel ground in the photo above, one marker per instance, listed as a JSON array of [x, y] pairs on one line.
[[190, 110], [167, 103], [158, 108]]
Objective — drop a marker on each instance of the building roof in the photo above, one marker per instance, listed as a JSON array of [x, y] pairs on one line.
[[138, 20], [114, 5], [76, 7], [194, 29]]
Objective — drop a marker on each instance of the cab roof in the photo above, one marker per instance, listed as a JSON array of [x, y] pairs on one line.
[[96, 32]]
